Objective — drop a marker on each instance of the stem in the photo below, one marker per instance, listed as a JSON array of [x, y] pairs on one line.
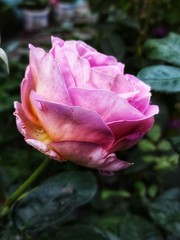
[[23, 187], [3, 198]]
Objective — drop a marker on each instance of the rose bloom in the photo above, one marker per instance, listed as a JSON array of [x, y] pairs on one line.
[[78, 105]]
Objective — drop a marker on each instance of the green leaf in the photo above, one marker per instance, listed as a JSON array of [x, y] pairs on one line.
[[10, 234], [166, 49], [54, 200], [164, 145], [3, 56], [165, 211], [79, 233], [161, 78], [155, 133], [146, 146], [175, 141], [136, 227]]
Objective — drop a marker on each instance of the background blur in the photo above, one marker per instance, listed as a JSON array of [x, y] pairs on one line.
[[142, 202]]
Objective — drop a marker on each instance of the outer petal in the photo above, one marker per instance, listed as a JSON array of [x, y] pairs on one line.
[[128, 133], [67, 123], [34, 135], [107, 104], [123, 128], [89, 155], [50, 82], [59, 54], [35, 57], [127, 142], [27, 86]]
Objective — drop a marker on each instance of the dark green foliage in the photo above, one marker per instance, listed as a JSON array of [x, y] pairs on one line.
[[136, 227], [166, 49], [165, 211], [53, 201], [69, 202], [161, 78]]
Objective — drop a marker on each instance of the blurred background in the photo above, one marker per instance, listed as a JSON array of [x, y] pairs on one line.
[[142, 202]]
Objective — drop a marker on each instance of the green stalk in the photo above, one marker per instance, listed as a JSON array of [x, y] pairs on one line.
[[26, 184], [3, 198]]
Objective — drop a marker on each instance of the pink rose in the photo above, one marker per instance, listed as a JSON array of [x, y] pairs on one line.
[[78, 105]]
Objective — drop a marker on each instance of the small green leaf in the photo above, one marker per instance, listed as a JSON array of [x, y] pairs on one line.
[[146, 146], [166, 49], [54, 200], [141, 188], [155, 133], [166, 211], [164, 145], [109, 193], [135, 227], [3, 56], [152, 190], [161, 78], [175, 141]]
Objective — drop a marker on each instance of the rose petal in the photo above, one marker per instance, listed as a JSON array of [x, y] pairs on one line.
[[141, 103], [127, 142], [103, 77], [79, 67], [61, 59], [107, 104], [26, 86], [27, 128], [67, 123], [122, 129], [44, 148], [89, 155], [143, 88], [94, 57], [57, 41], [50, 84], [128, 133], [35, 57]]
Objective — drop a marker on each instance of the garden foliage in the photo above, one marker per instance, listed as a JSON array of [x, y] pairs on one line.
[[68, 201]]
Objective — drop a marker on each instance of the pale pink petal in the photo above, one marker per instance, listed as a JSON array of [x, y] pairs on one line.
[[79, 67], [151, 111], [27, 86], [103, 77], [35, 57], [44, 148], [57, 41], [122, 85], [62, 61], [143, 88], [141, 103], [67, 123], [33, 135], [50, 84], [107, 104], [94, 57], [28, 129], [89, 155]]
